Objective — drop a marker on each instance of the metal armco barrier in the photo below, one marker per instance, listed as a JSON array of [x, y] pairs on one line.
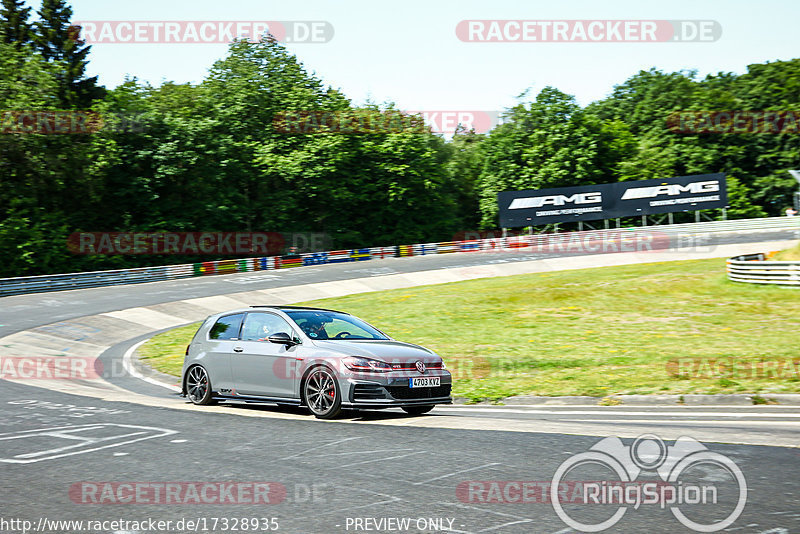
[[755, 269], [62, 282], [444, 248], [383, 252], [421, 249]]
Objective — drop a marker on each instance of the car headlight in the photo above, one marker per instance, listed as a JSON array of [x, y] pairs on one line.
[[365, 364]]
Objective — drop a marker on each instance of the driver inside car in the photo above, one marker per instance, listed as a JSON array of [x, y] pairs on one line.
[[264, 333], [315, 328], [256, 329]]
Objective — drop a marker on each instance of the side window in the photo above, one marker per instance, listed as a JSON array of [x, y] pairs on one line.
[[226, 327], [259, 326]]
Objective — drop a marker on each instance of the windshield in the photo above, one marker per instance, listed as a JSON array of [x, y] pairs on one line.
[[333, 325]]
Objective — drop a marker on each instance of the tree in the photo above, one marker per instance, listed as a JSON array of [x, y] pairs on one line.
[[14, 26], [550, 143], [57, 42], [740, 205], [464, 166]]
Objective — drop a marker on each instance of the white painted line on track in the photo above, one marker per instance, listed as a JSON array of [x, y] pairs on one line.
[[682, 422], [127, 364], [318, 447], [455, 473], [78, 443], [600, 411], [383, 459]]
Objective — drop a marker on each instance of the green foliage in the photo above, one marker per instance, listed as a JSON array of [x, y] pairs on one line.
[[14, 26], [550, 143], [212, 157], [56, 41], [739, 201]]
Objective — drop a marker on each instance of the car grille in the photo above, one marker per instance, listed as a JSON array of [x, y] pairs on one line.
[[405, 392], [364, 392], [413, 366]]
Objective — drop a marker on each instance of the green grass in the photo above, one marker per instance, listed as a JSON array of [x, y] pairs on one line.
[[790, 254], [596, 332], [165, 352]]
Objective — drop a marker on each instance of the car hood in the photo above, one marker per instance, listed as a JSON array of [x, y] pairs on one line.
[[388, 351]]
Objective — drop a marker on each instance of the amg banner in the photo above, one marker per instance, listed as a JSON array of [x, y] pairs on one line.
[[609, 201]]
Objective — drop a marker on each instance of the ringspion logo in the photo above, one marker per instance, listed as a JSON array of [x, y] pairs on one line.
[[690, 478]]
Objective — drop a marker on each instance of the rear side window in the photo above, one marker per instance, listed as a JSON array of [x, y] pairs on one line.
[[226, 327], [259, 326]]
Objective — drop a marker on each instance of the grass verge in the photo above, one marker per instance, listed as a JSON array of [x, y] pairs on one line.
[[165, 351], [790, 254], [668, 328]]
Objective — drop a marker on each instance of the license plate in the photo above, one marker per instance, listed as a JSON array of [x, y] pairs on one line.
[[425, 382]]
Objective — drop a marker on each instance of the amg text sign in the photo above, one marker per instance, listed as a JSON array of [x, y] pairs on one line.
[[608, 201]]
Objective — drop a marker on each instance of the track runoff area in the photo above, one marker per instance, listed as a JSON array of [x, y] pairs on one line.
[[124, 455]]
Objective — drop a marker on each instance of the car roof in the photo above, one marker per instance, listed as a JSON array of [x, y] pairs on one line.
[[276, 307], [281, 308]]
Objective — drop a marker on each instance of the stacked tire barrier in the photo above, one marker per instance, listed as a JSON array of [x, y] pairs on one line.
[[62, 282], [756, 269]]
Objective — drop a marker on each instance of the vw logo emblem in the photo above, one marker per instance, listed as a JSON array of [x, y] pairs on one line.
[[420, 367]]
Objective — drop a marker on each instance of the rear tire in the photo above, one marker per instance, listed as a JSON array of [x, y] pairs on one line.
[[322, 394], [417, 410], [198, 386]]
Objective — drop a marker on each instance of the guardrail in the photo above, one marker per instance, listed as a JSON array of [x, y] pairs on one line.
[[756, 269], [63, 282]]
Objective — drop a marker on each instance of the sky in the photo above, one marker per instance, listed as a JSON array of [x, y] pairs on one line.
[[409, 53]]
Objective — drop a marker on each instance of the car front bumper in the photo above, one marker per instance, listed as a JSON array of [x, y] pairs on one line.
[[394, 391]]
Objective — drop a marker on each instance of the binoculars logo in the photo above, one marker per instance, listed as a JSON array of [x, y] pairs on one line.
[[649, 453]]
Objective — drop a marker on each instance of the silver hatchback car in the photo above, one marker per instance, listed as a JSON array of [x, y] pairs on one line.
[[325, 360]]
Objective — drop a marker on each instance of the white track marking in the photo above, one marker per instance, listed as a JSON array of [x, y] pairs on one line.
[[69, 432], [612, 413], [383, 459], [455, 473], [315, 448], [127, 364]]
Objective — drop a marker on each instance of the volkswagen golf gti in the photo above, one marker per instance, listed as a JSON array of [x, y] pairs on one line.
[[324, 360]]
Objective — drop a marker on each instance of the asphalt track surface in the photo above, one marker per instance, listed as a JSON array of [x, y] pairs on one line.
[[354, 475]]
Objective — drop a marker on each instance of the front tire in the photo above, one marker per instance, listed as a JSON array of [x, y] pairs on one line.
[[417, 410], [322, 394], [198, 386]]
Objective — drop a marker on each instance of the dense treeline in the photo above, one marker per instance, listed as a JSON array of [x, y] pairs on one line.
[[208, 157]]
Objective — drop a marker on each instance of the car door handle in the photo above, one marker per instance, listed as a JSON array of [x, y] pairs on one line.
[[237, 349]]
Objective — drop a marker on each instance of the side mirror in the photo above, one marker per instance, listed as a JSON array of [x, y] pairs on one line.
[[281, 338]]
